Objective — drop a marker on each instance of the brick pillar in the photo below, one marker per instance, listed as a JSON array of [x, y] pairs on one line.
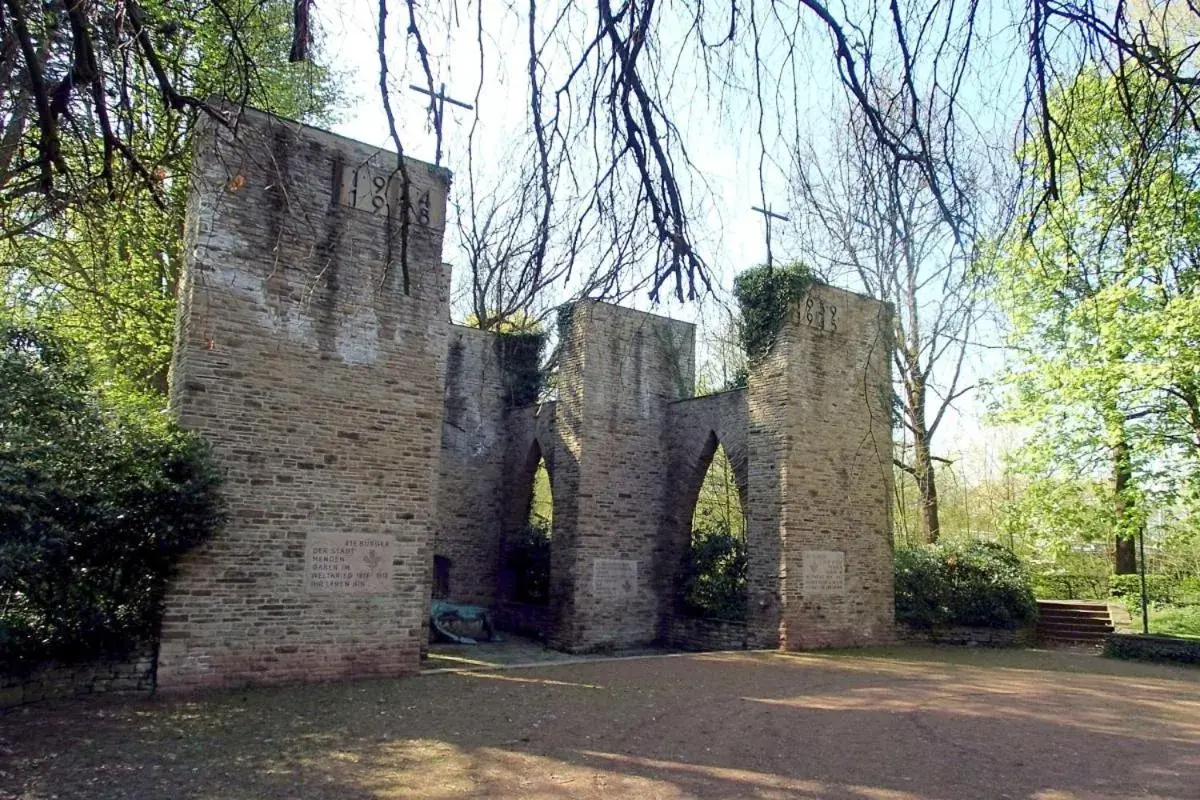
[[619, 372], [317, 376], [820, 488]]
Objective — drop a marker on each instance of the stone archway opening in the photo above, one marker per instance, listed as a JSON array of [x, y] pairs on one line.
[[528, 549], [714, 582]]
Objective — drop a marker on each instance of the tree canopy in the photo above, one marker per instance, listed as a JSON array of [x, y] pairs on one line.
[[98, 257], [1101, 297], [603, 131]]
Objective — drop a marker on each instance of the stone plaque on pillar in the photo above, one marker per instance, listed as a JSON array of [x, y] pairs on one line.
[[823, 573], [342, 563], [614, 578]]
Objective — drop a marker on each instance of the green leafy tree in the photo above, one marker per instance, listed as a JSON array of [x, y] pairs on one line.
[[718, 506], [1100, 294], [103, 269], [519, 321]]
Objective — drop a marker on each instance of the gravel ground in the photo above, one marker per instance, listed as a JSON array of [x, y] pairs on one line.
[[883, 723]]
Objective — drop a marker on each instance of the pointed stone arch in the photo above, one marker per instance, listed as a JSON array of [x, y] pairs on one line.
[[518, 520], [693, 476]]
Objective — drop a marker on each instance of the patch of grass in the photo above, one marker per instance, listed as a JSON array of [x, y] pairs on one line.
[[1170, 620]]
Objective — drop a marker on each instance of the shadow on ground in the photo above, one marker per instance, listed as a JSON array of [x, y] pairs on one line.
[[897, 723]]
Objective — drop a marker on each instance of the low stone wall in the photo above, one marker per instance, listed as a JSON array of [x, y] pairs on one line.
[[966, 636], [1153, 648], [52, 680], [697, 633]]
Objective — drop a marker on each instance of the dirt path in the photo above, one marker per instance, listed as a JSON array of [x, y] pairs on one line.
[[905, 723]]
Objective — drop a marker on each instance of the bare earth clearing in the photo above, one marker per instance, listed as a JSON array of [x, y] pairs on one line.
[[894, 723]]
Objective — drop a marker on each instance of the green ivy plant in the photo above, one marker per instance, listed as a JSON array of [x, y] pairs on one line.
[[766, 294], [520, 357]]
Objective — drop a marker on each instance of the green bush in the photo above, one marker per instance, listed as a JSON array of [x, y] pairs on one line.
[[1160, 590], [981, 584], [97, 501], [1187, 590], [1171, 620], [1070, 586], [714, 575], [529, 561]]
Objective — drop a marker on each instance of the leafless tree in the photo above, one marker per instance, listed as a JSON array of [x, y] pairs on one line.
[[610, 106], [84, 84], [604, 86], [872, 218]]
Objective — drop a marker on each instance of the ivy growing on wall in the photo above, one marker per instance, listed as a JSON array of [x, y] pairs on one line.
[[520, 357], [765, 295], [566, 315]]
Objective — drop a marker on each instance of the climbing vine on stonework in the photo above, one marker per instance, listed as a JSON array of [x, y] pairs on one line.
[[520, 357], [765, 294], [566, 314]]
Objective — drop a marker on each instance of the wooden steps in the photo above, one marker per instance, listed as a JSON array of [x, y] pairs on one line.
[[1074, 622]]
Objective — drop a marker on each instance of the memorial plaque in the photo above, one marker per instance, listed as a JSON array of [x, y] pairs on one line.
[[614, 578], [346, 563], [823, 572]]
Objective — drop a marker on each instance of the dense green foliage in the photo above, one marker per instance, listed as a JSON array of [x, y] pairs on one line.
[[1100, 290], [766, 295], [1172, 620], [718, 505], [103, 271], [520, 355], [1160, 590], [1173, 602], [714, 575], [97, 501], [977, 583], [1061, 528]]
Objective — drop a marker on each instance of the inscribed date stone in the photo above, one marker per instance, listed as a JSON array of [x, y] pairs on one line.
[[614, 578], [380, 190], [823, 572], [342, 563]]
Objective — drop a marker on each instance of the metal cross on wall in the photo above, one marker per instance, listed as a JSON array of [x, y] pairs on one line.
[[437, 105], [768, 215]]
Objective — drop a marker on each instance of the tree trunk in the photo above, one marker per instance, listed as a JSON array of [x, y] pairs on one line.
[[927, 488], [1191, 399], [922, 464], [1124, 553]]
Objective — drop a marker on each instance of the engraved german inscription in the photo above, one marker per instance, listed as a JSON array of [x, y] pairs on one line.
[[342, 563]]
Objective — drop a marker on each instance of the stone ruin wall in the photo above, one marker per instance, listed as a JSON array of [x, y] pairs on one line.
[[472, 495], [820, 477], [340, 406], [620, 371], [316, 378]]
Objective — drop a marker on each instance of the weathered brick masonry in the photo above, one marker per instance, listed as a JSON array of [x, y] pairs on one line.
[[820, 477], [473, 480], [620, 372], [340, 405], [317, 379]]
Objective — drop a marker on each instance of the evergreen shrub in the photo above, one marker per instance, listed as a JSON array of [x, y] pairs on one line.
[[97, 501], [980, 584]]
